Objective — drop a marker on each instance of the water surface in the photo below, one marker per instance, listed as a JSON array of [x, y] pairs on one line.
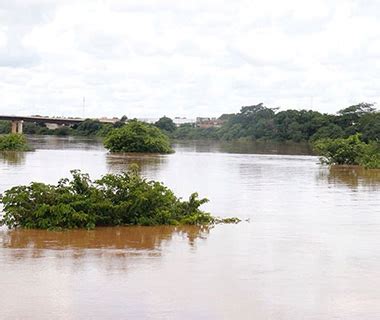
[[308, 250]]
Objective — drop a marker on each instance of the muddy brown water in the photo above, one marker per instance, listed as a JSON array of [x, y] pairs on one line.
[[309, 249]]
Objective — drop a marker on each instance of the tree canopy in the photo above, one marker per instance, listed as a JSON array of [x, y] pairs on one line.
[[166, 124], [137, 136], [13, 142]]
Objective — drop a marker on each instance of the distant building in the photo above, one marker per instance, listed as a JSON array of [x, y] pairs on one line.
[[202, 122], [178, 121]]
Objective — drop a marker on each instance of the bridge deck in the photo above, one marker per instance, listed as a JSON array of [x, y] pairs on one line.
[[66, 121]]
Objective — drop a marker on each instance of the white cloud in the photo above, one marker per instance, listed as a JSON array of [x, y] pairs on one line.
[[186, 58]]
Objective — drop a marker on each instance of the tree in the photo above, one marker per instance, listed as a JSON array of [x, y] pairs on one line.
[[165, 124], [88, 127], [349, 117], [137, 136], [13, 142], [120, 122], [5, 126]]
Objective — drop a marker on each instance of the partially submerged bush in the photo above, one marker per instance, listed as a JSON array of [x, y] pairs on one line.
[[349, 151], [115, 199], [13, 142], [137, 136]]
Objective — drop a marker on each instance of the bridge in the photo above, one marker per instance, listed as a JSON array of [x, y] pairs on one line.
[[17, 121]]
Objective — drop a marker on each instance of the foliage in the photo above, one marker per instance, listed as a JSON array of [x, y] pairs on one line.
[[348, 151], [255, 122], [259, 122], [88, 127], [115, 199], [120, 122], [370, 158], [137, 136], [5, 126], [36, 128], [189, 132], [13, 142], [331, 131], [165, 124]]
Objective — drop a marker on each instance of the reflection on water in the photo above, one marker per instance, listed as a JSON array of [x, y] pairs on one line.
[[135, 238], [68, 142], [14, 158], [245, 147], [121, 162], [353, 177]]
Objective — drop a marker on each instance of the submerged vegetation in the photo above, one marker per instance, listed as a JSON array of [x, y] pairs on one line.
[[115, 199], [137, 136], [349, 151], [13, 142]]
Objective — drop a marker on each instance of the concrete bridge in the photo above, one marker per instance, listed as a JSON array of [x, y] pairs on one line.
[[17, 121]]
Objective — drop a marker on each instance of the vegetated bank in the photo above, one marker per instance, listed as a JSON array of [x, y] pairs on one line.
[[113, 200], [137, 136], [261, 123], [253, 122], [349, 151], [13, 142]]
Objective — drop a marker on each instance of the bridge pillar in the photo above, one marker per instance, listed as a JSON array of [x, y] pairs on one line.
[[20, 126], [17, 126]]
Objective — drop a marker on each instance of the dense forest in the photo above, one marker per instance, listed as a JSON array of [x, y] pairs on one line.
[[262, 123], [256, 122]]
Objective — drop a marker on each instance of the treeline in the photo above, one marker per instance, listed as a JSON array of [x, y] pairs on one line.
[[259, 122], [256, 122]]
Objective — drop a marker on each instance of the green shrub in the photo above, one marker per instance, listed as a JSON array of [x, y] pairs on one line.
[[13, 142], [5, 126], [370, 158], [115, 199], [348, 151], [137, 136]]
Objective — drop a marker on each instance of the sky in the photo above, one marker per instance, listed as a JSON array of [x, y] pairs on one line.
[[147, 58]]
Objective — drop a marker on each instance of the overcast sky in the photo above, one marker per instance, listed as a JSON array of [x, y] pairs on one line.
[[187, 58]]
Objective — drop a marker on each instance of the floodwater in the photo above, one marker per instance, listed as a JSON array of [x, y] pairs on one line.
[[308, 250]]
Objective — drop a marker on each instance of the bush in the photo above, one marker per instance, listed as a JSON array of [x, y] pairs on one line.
[[115, 199], [166, 124], [348, 151], [5, 126], [137, 136], [13, 142], [371, 156]]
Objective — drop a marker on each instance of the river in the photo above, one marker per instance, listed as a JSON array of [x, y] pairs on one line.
[[306, 248]]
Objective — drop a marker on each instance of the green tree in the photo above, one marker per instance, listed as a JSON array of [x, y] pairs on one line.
[[13, 142], [349, 151], [137, 136], [5, 126], [120, 122], [89, 127], [166, 124]]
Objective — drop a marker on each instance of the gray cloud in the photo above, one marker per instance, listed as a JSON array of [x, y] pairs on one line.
[[149, 58]]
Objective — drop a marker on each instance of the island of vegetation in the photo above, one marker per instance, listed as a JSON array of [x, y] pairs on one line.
[[13, 142], [113, 200], [349, 151], [137, 136]]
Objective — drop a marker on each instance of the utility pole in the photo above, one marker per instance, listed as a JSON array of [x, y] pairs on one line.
[[84, 104]]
